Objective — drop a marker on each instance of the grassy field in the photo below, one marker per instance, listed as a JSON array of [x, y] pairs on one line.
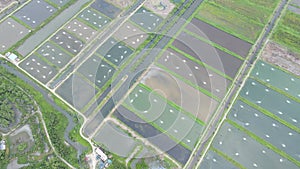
[[244, 19], [287, 32]]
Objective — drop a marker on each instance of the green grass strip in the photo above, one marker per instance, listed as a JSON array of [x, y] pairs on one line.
[[107, 61], [282, 92], [156, 126], [207, 93], [227, 158], [46, 60], [174, 105], [21, 22], [264, 142], [110, 94], [59, 47], [201, 63], [269, 114]]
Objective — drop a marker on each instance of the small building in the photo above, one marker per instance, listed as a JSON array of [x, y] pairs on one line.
[[2, 145], [103, 156], [12, 57]]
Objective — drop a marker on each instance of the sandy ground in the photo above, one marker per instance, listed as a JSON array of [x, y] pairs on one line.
[[121, 3], [280, 56], [160, 7]]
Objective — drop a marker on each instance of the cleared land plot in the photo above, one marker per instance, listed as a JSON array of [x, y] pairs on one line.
[[115, 140], [93, 18], [96, 70], [11, 33], [80, 29], [185, 96], [42, 11], [266, 128], [274, 102], [247, 151], [277, 78], [68, 42], [195, 73], [155, 110], [20, 136], [131, 35], [160, 7], [146, 19], [207, 54], [214, 161], [38, 68], [162, 141], [76, 91], [220, 37], [54, 54], [121, 3], [60, 3], [106, 8], [114, 51], [229, 21]]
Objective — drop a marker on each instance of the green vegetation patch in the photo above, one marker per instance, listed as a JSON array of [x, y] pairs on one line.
[[287, 32], [243, 19], [13, 102]]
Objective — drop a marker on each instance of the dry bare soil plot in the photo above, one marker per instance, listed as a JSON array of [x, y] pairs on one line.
[[193, 72], [185, 96], [160, 7], [282, 57]]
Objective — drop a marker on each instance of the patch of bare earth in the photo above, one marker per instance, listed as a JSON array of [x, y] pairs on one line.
[[282, 57], [121, 3], [160, 7]]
